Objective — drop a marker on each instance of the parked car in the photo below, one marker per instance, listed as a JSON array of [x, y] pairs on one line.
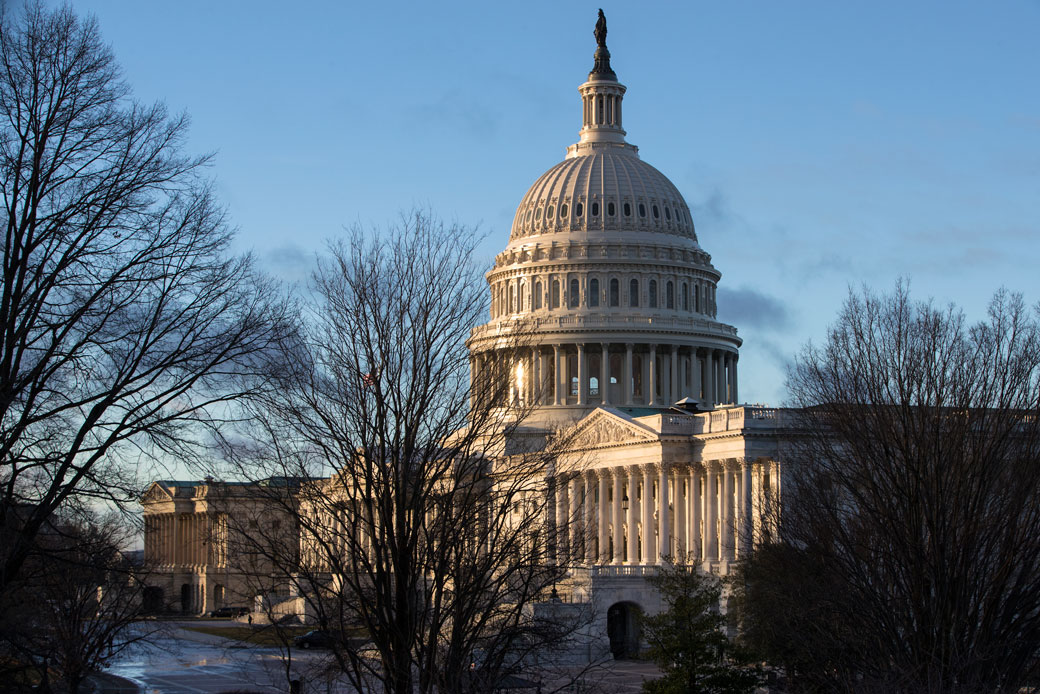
[[229, 612], [316, 638]]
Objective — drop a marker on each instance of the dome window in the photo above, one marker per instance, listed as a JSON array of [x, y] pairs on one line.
[[573, 295], [537, 295], [627, 209], [615, 293], [685, 297], [593, 293], [595, 209], [555, 295], [652, 303], [668, 213], [529, 215], [549, 212], [579, 209], [610, 209], [642, 210], [563, 211], [633, 293], [669, 295], [657, 213]]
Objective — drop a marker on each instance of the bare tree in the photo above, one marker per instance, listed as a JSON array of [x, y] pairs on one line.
[[81, 607], [121, 315], [910, 538], [424, 527]]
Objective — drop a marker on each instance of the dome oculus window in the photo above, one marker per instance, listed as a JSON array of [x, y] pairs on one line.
[[549, 212], [595, 209], [610, 209], [579, 209], [563, 211], [642, 210], [657, 213], [668, 213], [627, 209]]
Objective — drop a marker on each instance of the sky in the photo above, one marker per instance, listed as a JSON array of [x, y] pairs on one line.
[[821, 146]]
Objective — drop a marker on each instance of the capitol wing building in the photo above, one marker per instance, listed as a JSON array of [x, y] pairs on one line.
[[623, 347]]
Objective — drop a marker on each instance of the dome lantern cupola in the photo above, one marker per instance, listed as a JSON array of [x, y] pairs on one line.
[[601, 99]]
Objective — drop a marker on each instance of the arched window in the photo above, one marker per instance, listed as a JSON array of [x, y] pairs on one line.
[[579, 209], [669, 295], [522, 303], [595, 209], [652, 303], [550, 209], [668, 213], [537, 295], [657, 212], [610, 209], [511, 294], [554, 299], [642, 210], [593, 292], [615, 293], [685, 297], [573, 295], [697, 297], [627, 209], [563, 211], [633, 293]]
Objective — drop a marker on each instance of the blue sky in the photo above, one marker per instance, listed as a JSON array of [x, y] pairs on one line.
[[819, 144]]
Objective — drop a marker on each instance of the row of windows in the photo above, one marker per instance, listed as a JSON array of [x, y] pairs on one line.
[[512, 297], [642, 209]]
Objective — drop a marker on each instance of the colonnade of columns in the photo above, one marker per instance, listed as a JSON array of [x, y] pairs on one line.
[[640, 514], [183, 539], [626, 374]]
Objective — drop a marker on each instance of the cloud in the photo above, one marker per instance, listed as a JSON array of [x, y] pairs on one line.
[[289, 262], [750, 307]]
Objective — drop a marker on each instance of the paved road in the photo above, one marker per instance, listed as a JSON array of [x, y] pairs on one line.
[[187, 662]]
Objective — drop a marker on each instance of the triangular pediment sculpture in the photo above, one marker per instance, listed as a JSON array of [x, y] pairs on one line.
[[156, 492], [607, 427]]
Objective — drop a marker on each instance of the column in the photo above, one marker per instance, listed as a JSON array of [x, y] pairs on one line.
[[664, 523], [603, 509], [694, 509], [575, 518], [556, 375], [646, 505], [733, 377], [681, 501], [632, 515], [720, 387], [673, 396], [696, 372], [653, 375], [628, 373], [617, 518], [746, 515], [727, 511], [562, 516], [589, 529], [604, 376], [583, 379], [711, 537], [707, 379]]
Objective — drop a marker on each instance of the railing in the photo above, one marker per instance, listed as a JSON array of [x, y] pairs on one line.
[[602, 320], [736, 418], [613, 571]]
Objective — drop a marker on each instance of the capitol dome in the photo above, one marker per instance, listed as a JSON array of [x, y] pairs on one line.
[[604, 277]]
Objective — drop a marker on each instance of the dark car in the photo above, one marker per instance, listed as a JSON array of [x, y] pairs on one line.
[[228, 612], [318, 638]]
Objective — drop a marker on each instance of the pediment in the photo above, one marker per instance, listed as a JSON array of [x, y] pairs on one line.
[[156, 492], [605, 427]]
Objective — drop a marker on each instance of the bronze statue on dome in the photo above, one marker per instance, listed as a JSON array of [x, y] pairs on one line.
[[601, 30]]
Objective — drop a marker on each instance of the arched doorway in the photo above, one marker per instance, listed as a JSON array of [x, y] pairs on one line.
[[185, 598], [623, 628]]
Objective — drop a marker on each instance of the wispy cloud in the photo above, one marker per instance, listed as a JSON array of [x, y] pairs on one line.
[[745, 306]]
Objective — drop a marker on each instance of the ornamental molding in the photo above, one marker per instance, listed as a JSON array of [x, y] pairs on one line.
[[156, 493]]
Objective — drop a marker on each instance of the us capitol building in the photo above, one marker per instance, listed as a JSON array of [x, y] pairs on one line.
[[605, 269]]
